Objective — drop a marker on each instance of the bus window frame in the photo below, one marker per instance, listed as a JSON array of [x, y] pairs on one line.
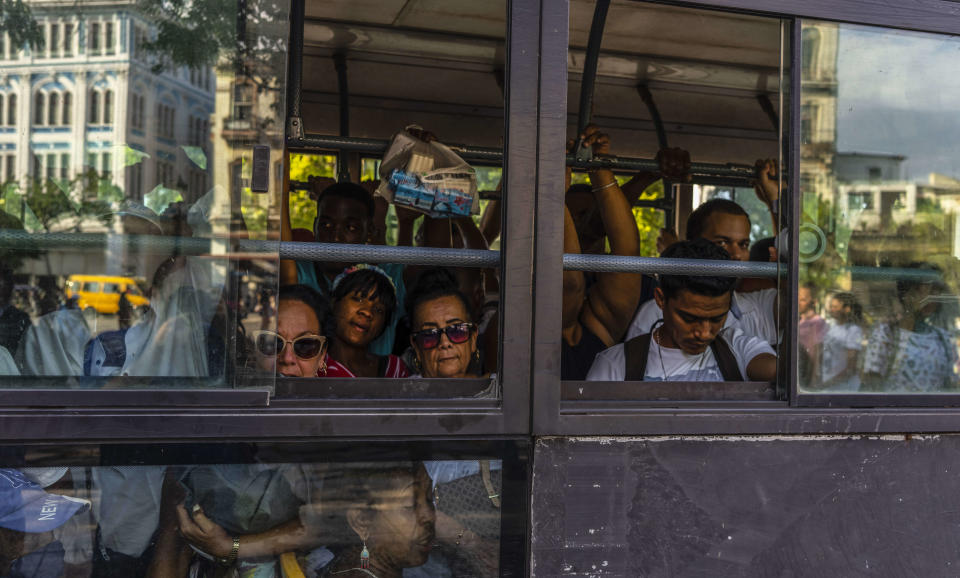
[[800, 412], [510, 413], [159, 414], [514, 453], [535, 122]]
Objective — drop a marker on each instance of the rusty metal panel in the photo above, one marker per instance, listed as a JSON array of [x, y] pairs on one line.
[[746, 506]]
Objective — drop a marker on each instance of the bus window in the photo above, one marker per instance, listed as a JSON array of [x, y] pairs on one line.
[[673, 155], [256, 509], [403, 111], [145, 175], [878, 246]]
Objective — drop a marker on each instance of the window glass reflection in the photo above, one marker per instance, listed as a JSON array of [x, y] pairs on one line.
[[118, 205], [879, 179], [385, 519]]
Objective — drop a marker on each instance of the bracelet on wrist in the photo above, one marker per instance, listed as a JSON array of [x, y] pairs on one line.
[[231, 558], [606, 186]]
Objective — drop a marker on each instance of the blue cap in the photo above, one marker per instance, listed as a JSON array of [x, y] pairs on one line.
[[26, 507]]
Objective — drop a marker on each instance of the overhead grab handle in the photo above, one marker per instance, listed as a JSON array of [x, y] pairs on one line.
[[582, 152]]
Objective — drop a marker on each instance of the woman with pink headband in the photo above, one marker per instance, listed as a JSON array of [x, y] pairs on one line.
[[364, 299]]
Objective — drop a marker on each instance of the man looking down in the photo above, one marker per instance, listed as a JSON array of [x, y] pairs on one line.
[[688, 345], [726, 225]]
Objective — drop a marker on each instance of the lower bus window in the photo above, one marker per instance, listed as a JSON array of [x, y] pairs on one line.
[[383, 518], [878, 246]]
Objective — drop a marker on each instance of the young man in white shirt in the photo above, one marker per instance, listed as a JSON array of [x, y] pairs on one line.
[[690, 344], [725, 224]]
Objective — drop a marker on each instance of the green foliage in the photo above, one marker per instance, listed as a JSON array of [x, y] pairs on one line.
[[254, 214], [53, 204], [649, 220], [192, 34], [18, 22], [303, 210], [488, 178], [829, 271], [202, 33], [158, 198], [369, 169]]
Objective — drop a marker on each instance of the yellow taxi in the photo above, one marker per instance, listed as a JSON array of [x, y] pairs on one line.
[[102, 292]]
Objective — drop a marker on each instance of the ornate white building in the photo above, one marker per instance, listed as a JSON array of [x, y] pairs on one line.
[[92, 91]]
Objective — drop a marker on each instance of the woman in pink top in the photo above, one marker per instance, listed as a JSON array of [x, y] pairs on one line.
[[363, 301]]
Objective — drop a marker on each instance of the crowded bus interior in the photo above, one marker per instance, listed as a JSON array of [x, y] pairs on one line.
[[298, 283]]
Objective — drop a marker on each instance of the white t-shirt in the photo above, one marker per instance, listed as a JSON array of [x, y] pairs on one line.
[[610, 364], [836, 343], [752, 312], [7, 365]]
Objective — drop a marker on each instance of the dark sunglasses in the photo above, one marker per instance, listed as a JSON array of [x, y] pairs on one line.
[[430, 338], [271, 344]]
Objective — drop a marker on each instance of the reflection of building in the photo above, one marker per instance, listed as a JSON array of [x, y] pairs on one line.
[[72, 104], [818, 114], [891, 215], [246, 116], [871, 189]]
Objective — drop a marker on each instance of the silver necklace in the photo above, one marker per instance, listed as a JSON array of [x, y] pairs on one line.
[[364, 570], [656, 338]]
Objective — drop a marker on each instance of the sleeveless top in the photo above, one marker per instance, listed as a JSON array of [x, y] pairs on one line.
[[575, 361]]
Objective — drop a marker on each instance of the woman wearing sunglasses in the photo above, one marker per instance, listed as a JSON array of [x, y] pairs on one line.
[[364, 298], [443, 334], [298, 347]]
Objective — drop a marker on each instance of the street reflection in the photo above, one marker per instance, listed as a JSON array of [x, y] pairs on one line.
[[880, 185], [384, 519]]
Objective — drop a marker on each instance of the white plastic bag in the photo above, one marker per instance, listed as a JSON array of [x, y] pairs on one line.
[[428, 177]]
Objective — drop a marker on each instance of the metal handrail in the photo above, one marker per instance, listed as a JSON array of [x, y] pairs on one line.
[[488, 155], [657, 265], [430, 256], [484, 195], [387, 254]]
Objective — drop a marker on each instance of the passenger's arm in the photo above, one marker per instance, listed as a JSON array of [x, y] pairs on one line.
[[405, 221], [208, 536], [674, 166], [762, 368], [490, 221], [171, 554], [574, 285], [767, 186], [613, 298], [378, 227], [472, 236], [439, 233]]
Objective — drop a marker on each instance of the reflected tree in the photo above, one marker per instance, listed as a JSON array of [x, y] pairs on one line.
[[18, 22], [247, 37]]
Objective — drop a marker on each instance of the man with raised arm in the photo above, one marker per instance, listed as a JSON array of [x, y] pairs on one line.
[[596, 318], [727, 225], [690, 343]]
